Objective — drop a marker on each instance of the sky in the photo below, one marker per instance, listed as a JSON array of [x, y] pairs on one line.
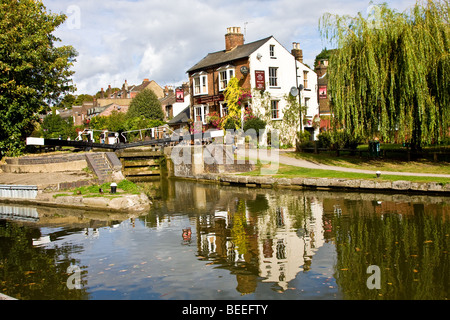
[[131, 40]]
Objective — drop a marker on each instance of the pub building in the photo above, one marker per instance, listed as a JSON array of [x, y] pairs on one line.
[[263, 65]]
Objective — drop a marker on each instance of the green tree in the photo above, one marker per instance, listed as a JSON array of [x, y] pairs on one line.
[[67, 102], [325, 54], [390, 73], [33, 70], [83, 98], [146, 104], [54, 126]]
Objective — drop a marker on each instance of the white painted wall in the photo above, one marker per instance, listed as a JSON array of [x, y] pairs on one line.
[[180, 106], [287, 78]]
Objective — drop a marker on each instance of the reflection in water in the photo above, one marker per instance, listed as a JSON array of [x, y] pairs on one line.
[[202, 241]]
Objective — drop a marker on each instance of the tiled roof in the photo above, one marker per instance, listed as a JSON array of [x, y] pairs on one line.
[[220, 57], [182, 117]]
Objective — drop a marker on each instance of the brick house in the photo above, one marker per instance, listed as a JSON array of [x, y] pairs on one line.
[[175, 100], [261, 66], [124, 96]]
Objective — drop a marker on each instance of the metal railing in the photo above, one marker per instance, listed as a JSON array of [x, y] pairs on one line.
[[152, 133]]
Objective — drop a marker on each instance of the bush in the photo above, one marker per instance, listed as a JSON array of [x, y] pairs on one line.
[[304, 140], [324, 140], [231, 123], [255, 124], [304, 136], [343, 139]]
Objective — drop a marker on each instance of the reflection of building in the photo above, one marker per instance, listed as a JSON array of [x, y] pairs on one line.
[[285, 250], [276, 248], [220, 239], [252, 234]]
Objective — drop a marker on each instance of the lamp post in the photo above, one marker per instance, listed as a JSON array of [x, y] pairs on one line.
[[299, 88]]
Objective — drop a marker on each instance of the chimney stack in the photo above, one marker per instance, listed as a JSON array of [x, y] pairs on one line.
[[233, 38], [297, 52], [185, 87]]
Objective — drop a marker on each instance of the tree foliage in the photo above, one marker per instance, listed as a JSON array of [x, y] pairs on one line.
[[232, 96], [54, 126], [146, 104], [33, 70], [390, 73]]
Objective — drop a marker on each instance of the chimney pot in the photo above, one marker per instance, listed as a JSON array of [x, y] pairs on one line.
[[297, 52], [233, 38]]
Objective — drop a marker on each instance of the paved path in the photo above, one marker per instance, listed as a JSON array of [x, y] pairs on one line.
[[267, 156]]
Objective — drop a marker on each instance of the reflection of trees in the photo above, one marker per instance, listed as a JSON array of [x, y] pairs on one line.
[[238, 231], [410, 244], [228, 239], [28, 272]]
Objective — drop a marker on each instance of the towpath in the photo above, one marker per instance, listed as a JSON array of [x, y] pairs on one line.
[[267, 155]]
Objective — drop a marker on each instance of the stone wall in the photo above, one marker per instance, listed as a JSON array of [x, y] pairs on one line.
[[189, 161], [46, 159], [400, 186]]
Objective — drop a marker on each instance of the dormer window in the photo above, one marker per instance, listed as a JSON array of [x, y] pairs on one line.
[[200, 83], [225, 75]]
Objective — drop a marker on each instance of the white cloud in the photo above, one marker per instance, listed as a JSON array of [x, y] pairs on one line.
[[160, 40]]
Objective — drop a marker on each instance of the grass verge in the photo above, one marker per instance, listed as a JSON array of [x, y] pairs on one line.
[[123, 187], [347, 161], [286, 171]]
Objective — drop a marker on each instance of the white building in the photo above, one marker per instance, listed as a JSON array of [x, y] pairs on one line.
[[284, 70]]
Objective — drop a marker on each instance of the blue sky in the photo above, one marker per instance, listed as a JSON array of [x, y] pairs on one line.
[[160, 40]]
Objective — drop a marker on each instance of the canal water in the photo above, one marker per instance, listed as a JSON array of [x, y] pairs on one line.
[[204, 241]]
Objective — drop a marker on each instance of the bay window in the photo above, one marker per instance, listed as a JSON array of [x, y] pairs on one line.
[[225, 74], [200, 112], [200, 83]]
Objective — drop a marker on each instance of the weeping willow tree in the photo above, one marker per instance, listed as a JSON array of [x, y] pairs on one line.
[[390, 76]]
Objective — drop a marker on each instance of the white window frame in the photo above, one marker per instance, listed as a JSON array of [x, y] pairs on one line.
[[273, 77], [204, 110], [305, 79], [272, 51], [223, 106], [225, 74], [200, 83], [277, 102]]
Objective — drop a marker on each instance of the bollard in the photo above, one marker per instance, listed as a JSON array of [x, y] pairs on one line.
[[113, 187]]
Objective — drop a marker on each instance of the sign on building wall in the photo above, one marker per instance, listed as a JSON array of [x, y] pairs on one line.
[[260, 79], [179, 95], [322, 92], [210, 99]]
